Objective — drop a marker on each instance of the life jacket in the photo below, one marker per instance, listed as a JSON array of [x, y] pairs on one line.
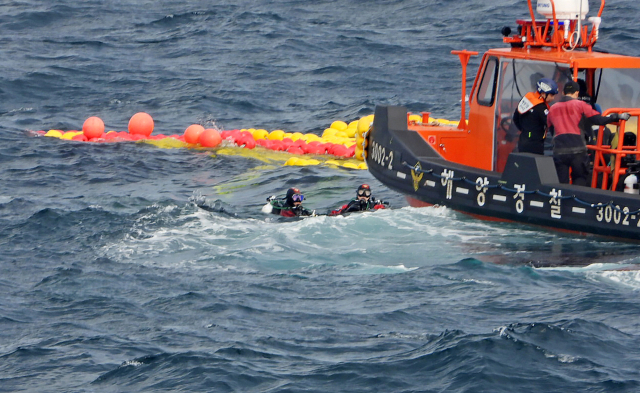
[[530, 100]]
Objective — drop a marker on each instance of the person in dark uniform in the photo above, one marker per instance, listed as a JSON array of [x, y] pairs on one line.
[[530, 116], [290, 205], [362, 201]]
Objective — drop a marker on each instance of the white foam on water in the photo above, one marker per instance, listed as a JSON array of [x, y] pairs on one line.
[[364, 268], [132, 363], [384, 241], [589, 268], [627, 274], [482, 282], [561, 358], [629, 278]]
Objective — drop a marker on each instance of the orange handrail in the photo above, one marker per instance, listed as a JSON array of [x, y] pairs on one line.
[[600, 166], [464, 56], [533, 21], [601, 9]]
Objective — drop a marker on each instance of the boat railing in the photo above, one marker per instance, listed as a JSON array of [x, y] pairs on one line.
[[559, 34], [609, 159]]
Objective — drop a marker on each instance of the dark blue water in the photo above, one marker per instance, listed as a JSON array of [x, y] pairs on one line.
[[112, 280]]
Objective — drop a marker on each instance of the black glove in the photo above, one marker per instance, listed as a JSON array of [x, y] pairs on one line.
[[624, 116], [613, 117]]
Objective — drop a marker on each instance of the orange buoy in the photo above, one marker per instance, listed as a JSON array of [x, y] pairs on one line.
[[141, 123], [93, 127], [209, 138], [192, 133]]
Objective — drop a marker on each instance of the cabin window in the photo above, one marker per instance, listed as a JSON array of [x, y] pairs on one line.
[[619, 88], [517, 78], [487, 90]]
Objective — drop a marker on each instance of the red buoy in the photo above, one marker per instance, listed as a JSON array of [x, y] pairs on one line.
[[93, 127], [141, 123], [209, 138], [192, 133]]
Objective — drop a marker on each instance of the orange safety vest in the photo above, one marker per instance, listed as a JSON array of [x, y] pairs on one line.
[[530, 100]]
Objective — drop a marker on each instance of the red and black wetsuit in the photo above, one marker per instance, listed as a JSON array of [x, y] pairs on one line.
[[356, 205]]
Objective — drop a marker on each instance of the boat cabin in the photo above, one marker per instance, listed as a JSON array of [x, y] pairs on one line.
[[485, 138]]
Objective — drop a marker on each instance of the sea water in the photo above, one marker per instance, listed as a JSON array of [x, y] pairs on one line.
[[112, 279]]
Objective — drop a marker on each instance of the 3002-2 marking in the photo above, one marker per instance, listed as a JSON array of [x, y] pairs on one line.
[[617, 216], [380, 157]]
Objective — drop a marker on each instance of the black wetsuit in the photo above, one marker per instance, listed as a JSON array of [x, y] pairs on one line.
[[282, 208], [356, 205]]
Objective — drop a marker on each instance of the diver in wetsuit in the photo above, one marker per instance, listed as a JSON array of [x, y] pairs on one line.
[[290, 205], [362, 201], [531, 116]]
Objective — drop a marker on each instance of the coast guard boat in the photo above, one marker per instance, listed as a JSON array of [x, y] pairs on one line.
[[473, 167]]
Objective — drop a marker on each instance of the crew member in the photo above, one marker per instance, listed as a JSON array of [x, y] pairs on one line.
[[362, 201], [531, 116], [569, 147], [584, 95], [290, 205]]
